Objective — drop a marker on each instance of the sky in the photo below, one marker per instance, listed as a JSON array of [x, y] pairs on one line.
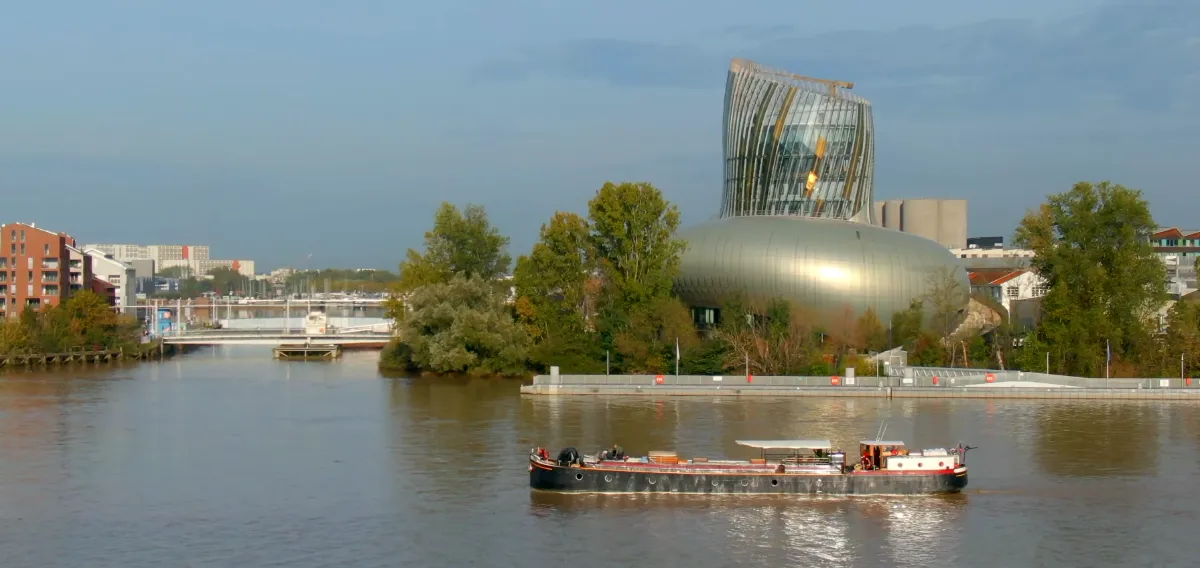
[[278, 130]]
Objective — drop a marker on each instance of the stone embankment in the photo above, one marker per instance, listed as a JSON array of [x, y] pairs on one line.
[[915, 383]]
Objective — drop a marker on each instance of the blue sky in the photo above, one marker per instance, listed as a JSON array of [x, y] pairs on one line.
[[272, 130]]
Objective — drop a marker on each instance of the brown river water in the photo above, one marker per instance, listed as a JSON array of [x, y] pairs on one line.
[[228, 458]]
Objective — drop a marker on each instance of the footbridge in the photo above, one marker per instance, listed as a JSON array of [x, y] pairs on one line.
[[346, 337]]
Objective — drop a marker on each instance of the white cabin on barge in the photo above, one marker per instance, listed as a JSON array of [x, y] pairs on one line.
[[876, 455]]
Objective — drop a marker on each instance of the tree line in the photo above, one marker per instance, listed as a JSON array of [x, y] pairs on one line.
[[595, 294], [84, 321]]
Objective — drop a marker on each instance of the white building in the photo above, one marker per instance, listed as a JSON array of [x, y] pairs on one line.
[[194, 258], [199, 268], [1005, 286], [117, 273], [991, 253]]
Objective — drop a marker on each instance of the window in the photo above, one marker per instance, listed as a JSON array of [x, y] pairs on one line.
[[1013, 291], [29, 289], [1040, 290], [114, 279], [22, 235], [22, 249], [46, 249]]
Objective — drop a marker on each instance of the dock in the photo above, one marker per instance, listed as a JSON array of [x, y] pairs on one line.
[[987, 385], [307, 351]]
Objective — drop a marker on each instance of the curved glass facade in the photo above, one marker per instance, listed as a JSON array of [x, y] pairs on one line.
[[795, 146]]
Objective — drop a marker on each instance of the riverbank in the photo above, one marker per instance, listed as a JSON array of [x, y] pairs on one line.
[[984, 385], [145, 352]]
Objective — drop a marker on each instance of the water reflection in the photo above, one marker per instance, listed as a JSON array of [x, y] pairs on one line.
[[229, 458], [1098, 439]]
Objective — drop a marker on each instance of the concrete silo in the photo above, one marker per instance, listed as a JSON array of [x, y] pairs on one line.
[[952, 223], [920, 217], [891, 213]]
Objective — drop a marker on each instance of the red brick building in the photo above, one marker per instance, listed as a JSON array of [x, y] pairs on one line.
[[39, 268]]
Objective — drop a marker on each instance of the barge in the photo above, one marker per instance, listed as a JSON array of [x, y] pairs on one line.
[[798, 467]]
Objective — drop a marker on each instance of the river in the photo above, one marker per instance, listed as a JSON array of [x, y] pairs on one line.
[[228, 458]]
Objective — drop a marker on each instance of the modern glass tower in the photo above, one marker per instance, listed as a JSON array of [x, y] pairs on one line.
[[795, 146]]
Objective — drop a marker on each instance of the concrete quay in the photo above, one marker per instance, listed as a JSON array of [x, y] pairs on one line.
[[987, 385]]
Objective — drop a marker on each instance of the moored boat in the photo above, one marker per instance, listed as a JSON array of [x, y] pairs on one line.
[[809, 467]]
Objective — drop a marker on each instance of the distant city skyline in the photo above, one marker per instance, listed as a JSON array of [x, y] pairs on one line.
[[336, 132]]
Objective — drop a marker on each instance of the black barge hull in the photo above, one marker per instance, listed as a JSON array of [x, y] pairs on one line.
[[570, 479]]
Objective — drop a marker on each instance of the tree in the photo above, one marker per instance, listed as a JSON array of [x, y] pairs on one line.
[[461, 242], [1183, 337], [871, 333], [551, 282], [945, 297], [460, 326], [907, 325], [225, 280], [648, 344], [1092, 247], [555, 297], [781, 342], [633, 235]]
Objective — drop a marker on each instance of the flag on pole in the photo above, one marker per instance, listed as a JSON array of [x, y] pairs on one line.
[[1107, 351], [676, 348]]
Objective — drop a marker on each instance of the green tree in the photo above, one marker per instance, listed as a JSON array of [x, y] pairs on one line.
[[1182, 338], [872, 334], [947, 294], [553, 278], [226, 281], [907, 325], [554, 299], [633, 235], [461, 242], [460, 326], [1092, 247], [648, 344]]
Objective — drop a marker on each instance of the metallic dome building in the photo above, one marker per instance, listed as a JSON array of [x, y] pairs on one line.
[[796, 208]]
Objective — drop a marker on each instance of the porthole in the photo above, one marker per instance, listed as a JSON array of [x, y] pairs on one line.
[[941, 464], [745, 482], [578, 476], [774, 482], [607, 478], [653, 481], [919, 464], [716, 483]]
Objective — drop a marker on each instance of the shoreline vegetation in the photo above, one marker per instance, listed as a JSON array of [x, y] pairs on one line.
[[83, 329], [595, 294]]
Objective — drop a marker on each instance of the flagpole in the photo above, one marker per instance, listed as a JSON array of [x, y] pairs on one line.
[[1107, 360], [677, 356]]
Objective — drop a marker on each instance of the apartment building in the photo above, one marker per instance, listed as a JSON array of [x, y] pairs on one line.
[[1178, 250], [201, 267], [38, 268], [196, 260], [121, 276]]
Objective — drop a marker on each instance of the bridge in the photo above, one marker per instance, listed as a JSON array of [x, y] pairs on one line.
[[345, 337]]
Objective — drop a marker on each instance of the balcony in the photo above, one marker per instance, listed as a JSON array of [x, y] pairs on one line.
[[50, 264], [49, 277], [76, 264], [50, 290]]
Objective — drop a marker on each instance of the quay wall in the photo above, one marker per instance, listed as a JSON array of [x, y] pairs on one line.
[[1002, 384]]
